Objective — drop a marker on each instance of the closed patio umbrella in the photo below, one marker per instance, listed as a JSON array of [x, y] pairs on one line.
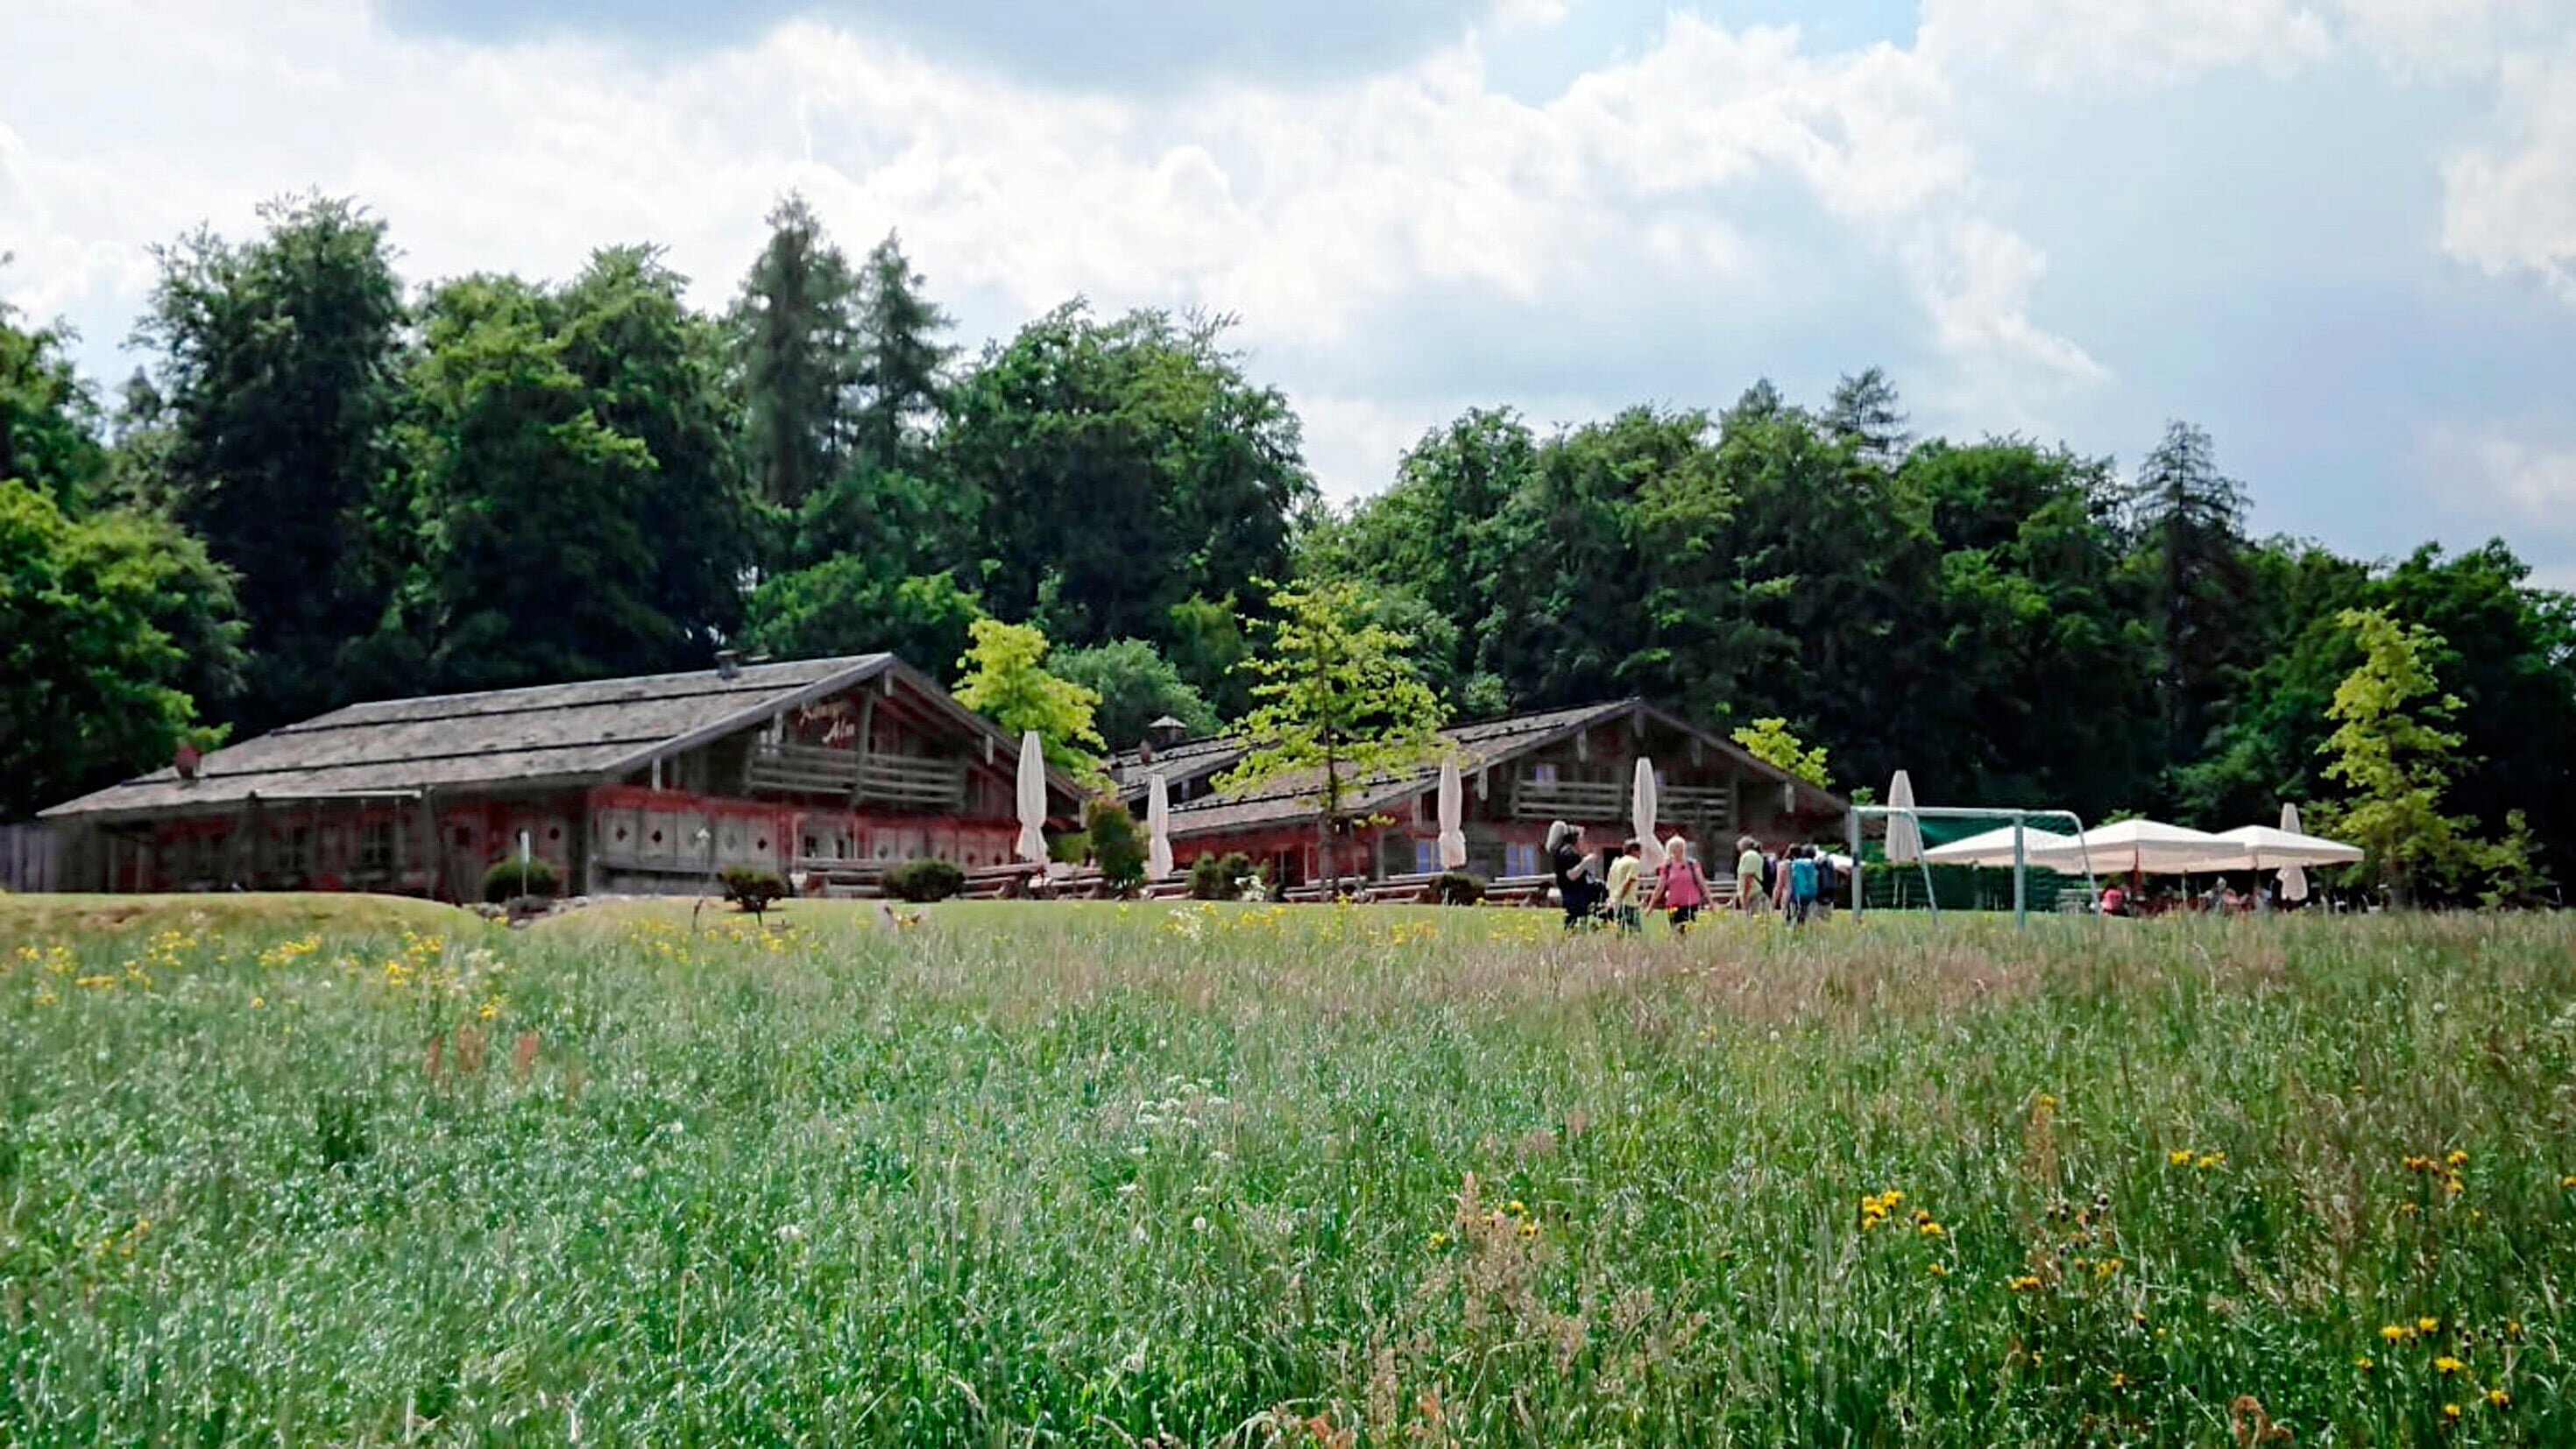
[[1033, 799], [2294, 878], [1904, 832], [1453, 810], [1641, 816], [1158, 821]]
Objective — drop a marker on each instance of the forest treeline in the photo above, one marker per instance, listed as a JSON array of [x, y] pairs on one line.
[[330, 483]]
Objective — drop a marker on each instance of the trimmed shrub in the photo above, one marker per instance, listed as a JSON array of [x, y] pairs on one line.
[[750, 888], [1457, 888], [503, 882], [1071, 848], [1116, 842], [1220, 878], [924, 881]]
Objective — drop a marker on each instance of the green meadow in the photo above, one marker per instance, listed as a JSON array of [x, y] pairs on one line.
[[1184, 1175]]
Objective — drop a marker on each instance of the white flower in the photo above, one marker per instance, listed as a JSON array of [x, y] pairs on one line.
[[790, 1233], [1199, 1224]]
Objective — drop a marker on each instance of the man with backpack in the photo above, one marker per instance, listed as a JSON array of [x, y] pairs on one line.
[[1804, 883]]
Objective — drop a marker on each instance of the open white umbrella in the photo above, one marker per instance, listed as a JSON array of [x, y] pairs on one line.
[[1033, 799], [1641, 816], [2261, 847], [1904, 833], [2148, 847], [1158, 822], [1453, 810], [1995, 847]]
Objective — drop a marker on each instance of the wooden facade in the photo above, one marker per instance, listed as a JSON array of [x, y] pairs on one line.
[[623, 786], [1521, 775]]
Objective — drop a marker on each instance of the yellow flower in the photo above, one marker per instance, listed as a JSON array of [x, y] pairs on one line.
[[2393, 1332], [258, 1002], [2447, 1365], [2568, 1182], [2119, 1381], [2363, 1363], [1939, 1269], [1516, 1208], [1439, 1240], [489, 1010], [2047, 1102], [1931, 1230], [2498, 1398], [2209, 1160], [2107, 1267], [2451, 1412], [2513, 1328], [2428, 1325], [2178, 1157], [1529, 1229], [2025, 1283], [2457, 1158]]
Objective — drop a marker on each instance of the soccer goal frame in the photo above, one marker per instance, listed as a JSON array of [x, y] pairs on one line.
[[2019, 820]]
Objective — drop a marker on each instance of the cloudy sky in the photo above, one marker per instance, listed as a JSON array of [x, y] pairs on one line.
[[2339, 233]]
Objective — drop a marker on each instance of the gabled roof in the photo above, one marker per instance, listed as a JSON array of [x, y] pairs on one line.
[[591, 731], [1130, 770], [1475, 746]]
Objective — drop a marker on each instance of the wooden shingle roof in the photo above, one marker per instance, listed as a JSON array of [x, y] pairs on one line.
[[555, 733]]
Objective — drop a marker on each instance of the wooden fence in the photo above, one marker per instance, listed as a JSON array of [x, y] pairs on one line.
[[30, 858]]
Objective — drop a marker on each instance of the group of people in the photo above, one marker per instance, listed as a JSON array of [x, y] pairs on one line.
[[1613, 887]]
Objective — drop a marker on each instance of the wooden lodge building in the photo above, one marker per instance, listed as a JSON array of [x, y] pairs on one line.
[[623, 785], [1521, 774]]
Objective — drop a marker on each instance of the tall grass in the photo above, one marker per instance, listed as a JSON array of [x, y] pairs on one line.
[[1296, 1177]]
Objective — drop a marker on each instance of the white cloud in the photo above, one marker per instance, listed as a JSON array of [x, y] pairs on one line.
[[2530, 470], [1317, 212], [2067, 45], [2509, 206]]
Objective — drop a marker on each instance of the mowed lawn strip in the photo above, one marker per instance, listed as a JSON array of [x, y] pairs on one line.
[[1092, 1174]]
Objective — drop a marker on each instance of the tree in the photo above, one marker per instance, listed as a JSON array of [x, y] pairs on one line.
[[1004, 678], [794, 338], [278, 374], [1207, 643], [1137, 686], [102, 621], [2190, 521], [1771, 742], [1336, 707], [1120, 468], [843, 605], [1865, 413], [899, 365], [49, 416], [2394, 755]]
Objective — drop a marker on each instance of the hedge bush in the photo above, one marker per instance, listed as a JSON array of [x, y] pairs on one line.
[[1117, 842], [502, 881], [924, 881], [1457, 888], [1220, 878], [751, 888]]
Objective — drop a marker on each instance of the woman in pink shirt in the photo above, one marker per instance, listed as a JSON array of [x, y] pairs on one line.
[[1680, 886]]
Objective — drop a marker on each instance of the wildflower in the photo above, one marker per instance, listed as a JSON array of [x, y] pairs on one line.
[[2180, 1156], [1528, 1229], [2209, 1160], [2119, 1380], [2451, 1413], [2456, 1159], [2106, 1267], [1939, 1269], [488, 1010], [2394, 1332], [2047, 1103], [2025, 1283], [2498, 1398], [2513, 1328], [2447, 1365], [1517, 1208], [2568, 1182], [1931, 1230], [258, 1002], [2428, 1325]]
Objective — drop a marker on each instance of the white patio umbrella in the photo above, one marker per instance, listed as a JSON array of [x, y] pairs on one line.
[[1033, 799], [1641, 816], [2149, 847], [2261, 847], [1158, 822], [1995, 847], [1453, 811], [1904, 833]]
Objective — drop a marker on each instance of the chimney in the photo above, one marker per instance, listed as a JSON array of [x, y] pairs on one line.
[[1166, 732], [728, 663], [185, 762]]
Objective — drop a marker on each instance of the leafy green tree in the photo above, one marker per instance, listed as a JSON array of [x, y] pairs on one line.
[[1336, 706], [1117, 844], [1121, 468], [793, 333], [2394, 755], [1003, 677], [102, 621], [1207, 644], [277, 369], [2190, 522], [1773, 743], [1137, 686], [49, 416], [843, 605], [1444, 531]]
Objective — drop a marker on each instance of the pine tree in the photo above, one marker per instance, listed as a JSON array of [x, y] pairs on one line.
[[2190, 519], [1865, 412], [794, 334], [899, 366]]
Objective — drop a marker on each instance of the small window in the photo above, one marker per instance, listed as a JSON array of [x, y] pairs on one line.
[[761, 844], [554, 832], [657, 837], [1543, 773], [1520, 858], [1426, 856]]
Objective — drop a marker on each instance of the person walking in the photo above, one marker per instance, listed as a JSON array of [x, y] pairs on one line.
[[1571, 872], [1625, 869], [1680, 886], [1801, 881], [1750, 893]]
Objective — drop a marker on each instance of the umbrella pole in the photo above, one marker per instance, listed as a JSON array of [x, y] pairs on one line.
[[2021, 863]]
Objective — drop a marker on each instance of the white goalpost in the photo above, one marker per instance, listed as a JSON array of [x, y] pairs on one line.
[[1913, 852]]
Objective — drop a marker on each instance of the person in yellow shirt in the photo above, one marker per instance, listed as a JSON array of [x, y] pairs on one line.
[[1625, 902]]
